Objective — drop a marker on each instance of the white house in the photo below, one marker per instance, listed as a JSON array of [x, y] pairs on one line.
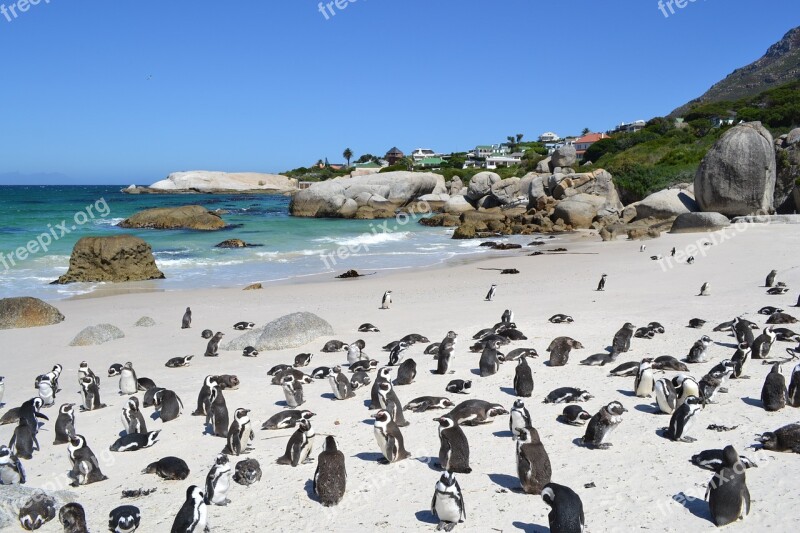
[[423, 153], [633, 127], [494, 161], [549, 137]]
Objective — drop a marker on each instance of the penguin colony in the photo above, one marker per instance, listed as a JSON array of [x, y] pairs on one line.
[[684, 391]]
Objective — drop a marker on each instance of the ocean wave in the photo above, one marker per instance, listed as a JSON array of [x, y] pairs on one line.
[[107, 221], [200, 262], [366, 239]]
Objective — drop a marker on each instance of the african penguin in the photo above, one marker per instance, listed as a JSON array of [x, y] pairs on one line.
[[459, 386], [773, 393], [683, 419], [523, 379], [177, 362], [218, 482], [793, 397], [519, 418], [644, 384], [386, 301], [242, 326], [169, 405], [186, 322], [389, 401], [292, 391], [23, 441], [212, 348], [453, 447], [193, 514], [666, 396], [217, 413], [135, 441], [491, 293], [699, 351], [132, 418], [85, 468], [601, 286], [11, 470], [566, 514], [169, 468], [560, 348], [389, 438], [784, 439], [602, 425], [727, 494], [447, 504], [124, 519], [240, 434], [247, 472], [73, 518], [37, 511], [533, 463], [342, 389], [574, 415], [424, 403], [330, 478], [300, 445]]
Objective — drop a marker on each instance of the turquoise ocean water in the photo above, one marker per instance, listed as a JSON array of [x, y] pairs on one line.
[[291, 247]]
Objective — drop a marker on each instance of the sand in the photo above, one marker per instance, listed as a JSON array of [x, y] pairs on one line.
[[634, 483]]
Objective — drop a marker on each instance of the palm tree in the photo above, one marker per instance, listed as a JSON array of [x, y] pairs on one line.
[[585, 131], [348, 154], [519, 137]]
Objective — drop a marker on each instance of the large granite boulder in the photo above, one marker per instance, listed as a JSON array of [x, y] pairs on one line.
[[665, 204], [381, 193], [543, 166], [506, 191], [455, 185], [579, 211], [99, 334], [194, 217], [481, 185], [565, 156], [116, 259], [15, 497], [290, 331], [787, 154], [457, 205], [737, 176], [699, 222], [27, 312], [214, 182]]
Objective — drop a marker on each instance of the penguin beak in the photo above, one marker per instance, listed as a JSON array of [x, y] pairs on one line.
[[436, 419]]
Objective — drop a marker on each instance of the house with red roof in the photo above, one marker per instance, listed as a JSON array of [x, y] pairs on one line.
[[583, 143]]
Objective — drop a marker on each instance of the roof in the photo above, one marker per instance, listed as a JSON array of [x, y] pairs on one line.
[[395, 150], [369, 164], [591, 138], [429, 161], [484, 147]]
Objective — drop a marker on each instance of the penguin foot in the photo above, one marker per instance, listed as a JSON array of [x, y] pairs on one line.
[[688, 439], [383, 461]]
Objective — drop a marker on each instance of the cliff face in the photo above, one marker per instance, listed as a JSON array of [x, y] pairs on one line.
[[781, 64], [205, 181]]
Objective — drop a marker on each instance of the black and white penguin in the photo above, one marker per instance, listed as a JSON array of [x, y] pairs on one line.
[[124, 519], [560, 348], [601, 286], [784, 439], [178, 362], [292, 391], [705, 289], [771, 278], [217, 416], [743, 331], [389, 401], [566, 514], [769, 310], [727, 494], [91, 395], [386, 301], [37, 511], [406, 372], [302, 360], [218, 481], [699, 351], [445, 353], [128, 384], [561, 318], [11, 470], [644, 333], [568, 395], [149, 399], [622, 339], [490, 360], [73, 518], [739, 359], [714, 460], [396, 353], [65, 424], [447, 504], [518, 418], [145, 384], [186, 322], [685, 386], [212, 348], [683, 419], [507, 317], [321, 372], [30, 411], [667, 362], [132, 418], [533, 463], [286, 419], [169, 468], [491, 293], [354, 353], [135, 441], [644, 384], [47, 391], [713, 382], [240, 434], [474, 412], [207, 334], [459, 386], [600, 359], [793, 396], [389, 438], [696, 323], [523, 378], [85, 371], [249, 351], [762, 344], [85, 468], [193, 514], [342, 389], [330, 478], [169, 405], [278, 369], [23, 441], [602, 425], [773, 393], [247, 472], [333, 346], [367, 365], [574, 415], [368, 328], [453, 447], [300, 445], [242, 326], [204, 397], [666, 396], [424, 403], [360, 379], [384, 375]]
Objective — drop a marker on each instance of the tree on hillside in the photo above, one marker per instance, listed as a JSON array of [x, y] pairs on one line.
[[320, 164], [585, 131], [519, 137], [511, 142], [348, 154], [366, 158]]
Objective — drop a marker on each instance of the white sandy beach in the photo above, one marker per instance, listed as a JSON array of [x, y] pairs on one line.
[[634, 481]]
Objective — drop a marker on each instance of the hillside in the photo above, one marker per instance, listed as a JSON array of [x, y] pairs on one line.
[[781, 64]]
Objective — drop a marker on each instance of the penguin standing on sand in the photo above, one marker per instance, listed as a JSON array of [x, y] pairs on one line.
[[128, 384], [391, 403], [342, 389], [447, 504], [330, 478], [91, 395], [446, 348], [47, 391], [491, 293], [533, 463], [204, 398], [602, 285], [762, 344], [602, 424], [518, 418], [453, 447], [132, 418], [773, 394], [490, 359], [523, 378], [193, 515], [382, 377], [85, 468], [727, 494], [218, 481], [740, 357], [186, 322], [666, 397], [386, 301], [622, 339], [699, 351], [793, 397], [212, 349], [507, 317], [683, 419], [65, 424], [300, 445], [644, 384], [217, 416], [389, 438], [566, 515], [771, 278], [705, 289], [292, 391], [240, 434]]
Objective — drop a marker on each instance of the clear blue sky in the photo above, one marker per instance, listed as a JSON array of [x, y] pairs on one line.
[[125, 92]]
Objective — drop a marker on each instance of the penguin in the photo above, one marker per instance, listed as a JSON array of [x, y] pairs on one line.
[[712, 383], [705, 289], [518, 418], [247, 472], [186, 322], [667, 362], [424, 403], [643, 385], [37, 511], [330, 478], [602, 425], [523, 379], [406, 372], [391, 403], [204, 398], [696, 323], [292, 391], [459, 386], [727, 494], [300, 445], [363, 366], [396, 353], [85, 468], [30, 411], [601, 286], [217, 416], [784, 439], [672, 252], [368, 328], [178, 362], [666, 396], [386, 301], [207, 334], [91, 395], [561, 318], [145, 384], [685, 386], [474, 412], [657, 327], [771, 278], [124, 519], [11, 470], [762, 344], [240, 434], [169, 405], [566, 514], [242, 326], [149, 399], [135, 441], [447, 504], [389, 438], [568, 395], [574, 415], [491, 293], [342, 389], [560, 348], [169, 468], [683, 419], [218, 481], [773, 394], [743, 331], [73, 518], [507, 317], [382, 377], [228, 381], [360, 379], [132, 418], [690, 260], [699, 351], [644, 333], [533, 463], [622, 339], [490, 360], [193, 514], [85, 371], [333, 346], [600, 359], [714, 459], [23, 441], [769, 310], [303, 359], [445, 353], [212, 349], [47, 391], [793, 397], [353, 354], [286, 419], [321, 372], [128, 384], [453, 447]]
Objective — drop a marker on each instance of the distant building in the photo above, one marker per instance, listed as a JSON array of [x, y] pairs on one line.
[[367, 165], [549, 137], [422, 153], [430, 162], [633, 127], [718, 122], [394, 155], [509, 160], [583, 143]]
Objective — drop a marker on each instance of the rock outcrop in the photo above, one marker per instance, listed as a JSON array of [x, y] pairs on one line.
[[699, 222], [145, 322], [203, 181], [99, 334], [235, 243], [290, 331], [787, 181], [737, 176], [27, 312], [117, 258], [565, 156], [481, 185], [665, 204], [507, 191], [193, 217]]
